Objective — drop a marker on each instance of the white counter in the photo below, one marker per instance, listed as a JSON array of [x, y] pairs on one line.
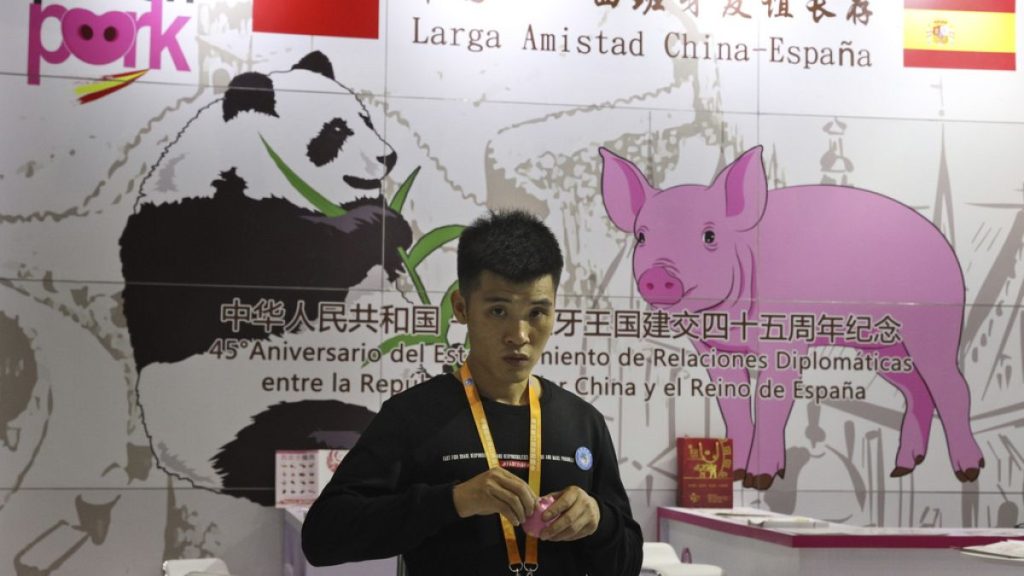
[[801, 546]]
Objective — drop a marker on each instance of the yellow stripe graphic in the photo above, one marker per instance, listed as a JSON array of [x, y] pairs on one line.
[[951, 30], [106, 84]]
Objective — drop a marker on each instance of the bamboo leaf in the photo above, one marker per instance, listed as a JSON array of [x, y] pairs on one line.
[[431, 241], [421, 290], [447, 311], [398, 202], [325, 206]]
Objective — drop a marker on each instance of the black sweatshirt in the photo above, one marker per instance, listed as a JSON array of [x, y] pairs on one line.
[[392, 493]]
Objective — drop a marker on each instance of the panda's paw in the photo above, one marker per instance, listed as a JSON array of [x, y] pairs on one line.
[[230, 184]]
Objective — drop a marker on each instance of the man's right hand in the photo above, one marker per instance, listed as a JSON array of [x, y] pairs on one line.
[[496, 491]]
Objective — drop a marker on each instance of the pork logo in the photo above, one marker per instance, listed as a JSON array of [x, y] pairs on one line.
[[100, 39]]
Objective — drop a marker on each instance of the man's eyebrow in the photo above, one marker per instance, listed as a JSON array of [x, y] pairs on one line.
[[505, 300], [496, 299]]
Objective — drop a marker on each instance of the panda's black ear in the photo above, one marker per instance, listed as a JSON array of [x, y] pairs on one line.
[[249, 91], [316, 62]]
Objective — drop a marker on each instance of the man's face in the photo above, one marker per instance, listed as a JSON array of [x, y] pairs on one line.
[[508, 325]]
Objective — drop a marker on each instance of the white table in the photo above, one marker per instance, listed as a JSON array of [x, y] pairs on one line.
[[295, 561], [726, 538]]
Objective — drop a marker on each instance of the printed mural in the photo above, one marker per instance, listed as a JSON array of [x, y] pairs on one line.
[[228, 227]]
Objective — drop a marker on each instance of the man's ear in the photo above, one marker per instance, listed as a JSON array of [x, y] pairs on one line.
[[459, 306]]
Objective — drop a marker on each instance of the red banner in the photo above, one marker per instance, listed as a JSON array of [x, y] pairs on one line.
[[341, 18]]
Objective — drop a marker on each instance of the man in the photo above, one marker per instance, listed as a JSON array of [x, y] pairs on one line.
[[448, 471]]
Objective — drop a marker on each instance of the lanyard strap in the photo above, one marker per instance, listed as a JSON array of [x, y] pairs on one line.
[[515, 561]]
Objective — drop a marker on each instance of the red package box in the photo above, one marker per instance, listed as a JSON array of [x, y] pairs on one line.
[[705, 472]]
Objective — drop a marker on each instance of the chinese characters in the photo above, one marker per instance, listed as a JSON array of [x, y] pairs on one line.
[[857, 11]]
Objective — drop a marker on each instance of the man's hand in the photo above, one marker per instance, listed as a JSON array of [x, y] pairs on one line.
[[580, 515], [495, 491]]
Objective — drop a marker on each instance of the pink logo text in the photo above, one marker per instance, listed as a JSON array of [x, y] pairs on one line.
[[102, 38]]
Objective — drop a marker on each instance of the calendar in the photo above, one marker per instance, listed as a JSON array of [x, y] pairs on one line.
[[300, 475]]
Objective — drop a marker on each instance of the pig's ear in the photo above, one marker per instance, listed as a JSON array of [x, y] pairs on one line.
[[624, 188], [746, 189]]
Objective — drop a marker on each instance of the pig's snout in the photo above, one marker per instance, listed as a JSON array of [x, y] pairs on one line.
[[657, 286]]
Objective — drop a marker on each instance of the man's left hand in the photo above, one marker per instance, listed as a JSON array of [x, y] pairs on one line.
[[580, 515]]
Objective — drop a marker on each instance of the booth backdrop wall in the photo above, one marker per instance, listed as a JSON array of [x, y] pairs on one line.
[[207, 251]]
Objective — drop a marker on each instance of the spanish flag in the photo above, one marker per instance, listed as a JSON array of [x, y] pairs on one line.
[[971, 34]]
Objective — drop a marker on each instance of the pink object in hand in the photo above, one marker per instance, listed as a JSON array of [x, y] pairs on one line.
[[534, 524]]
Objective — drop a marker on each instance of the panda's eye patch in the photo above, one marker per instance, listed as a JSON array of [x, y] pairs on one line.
[[327, 144], [366, 120]]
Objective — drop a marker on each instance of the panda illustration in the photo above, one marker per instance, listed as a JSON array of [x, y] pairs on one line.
[[220, 220]]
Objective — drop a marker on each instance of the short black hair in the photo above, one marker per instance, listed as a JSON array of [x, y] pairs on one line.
[[513, 244]]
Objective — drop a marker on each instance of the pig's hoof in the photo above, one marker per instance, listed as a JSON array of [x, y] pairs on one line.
[[900, 471], [760, 482], [971, 474], [739, 474], [763, 481]]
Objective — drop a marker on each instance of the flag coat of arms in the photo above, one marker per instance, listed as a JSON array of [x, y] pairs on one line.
[[340, 18], [966, 34]]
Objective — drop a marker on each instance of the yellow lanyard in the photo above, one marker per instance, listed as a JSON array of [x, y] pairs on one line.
[[515, 561]]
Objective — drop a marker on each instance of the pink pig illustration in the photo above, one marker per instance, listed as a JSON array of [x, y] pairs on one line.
[[736, 248]]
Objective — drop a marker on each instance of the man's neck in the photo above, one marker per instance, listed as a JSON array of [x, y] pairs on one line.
[[515, 394]]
